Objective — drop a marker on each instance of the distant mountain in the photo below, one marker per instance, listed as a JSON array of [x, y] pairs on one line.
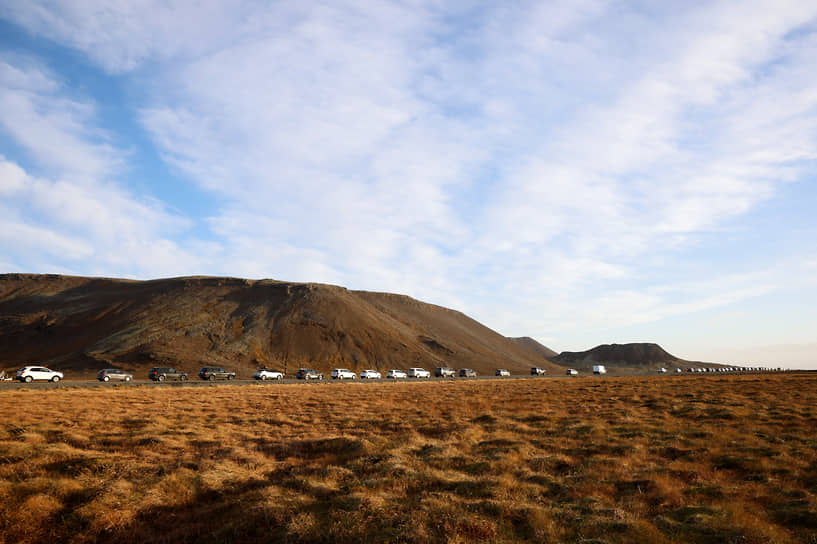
[[85, 324], [534, 346], [619, 355]]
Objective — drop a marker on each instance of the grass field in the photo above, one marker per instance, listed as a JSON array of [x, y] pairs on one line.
[[672, 459]]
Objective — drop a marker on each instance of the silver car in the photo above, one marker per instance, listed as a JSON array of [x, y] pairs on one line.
[[267, 374], [109, 374]]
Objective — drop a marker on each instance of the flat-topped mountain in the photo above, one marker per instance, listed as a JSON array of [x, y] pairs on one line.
[[84, 324], [635, 355]]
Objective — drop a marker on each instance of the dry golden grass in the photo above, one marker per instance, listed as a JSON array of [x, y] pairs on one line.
[[671, 459]]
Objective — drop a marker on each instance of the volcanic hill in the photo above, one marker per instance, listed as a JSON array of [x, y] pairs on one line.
[[632, 356], [84, 324]]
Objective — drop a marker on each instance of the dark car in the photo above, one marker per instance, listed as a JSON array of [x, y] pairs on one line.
[[537, 371], [215, 373], [109, 374], [308, 374], [162, 373], [444, 372], [467, 373]]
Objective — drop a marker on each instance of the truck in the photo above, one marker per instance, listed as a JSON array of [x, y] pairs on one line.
[[599, 369]]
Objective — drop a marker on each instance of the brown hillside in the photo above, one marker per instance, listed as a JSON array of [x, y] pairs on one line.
[[84, 324], [633, 356], [534, 346]]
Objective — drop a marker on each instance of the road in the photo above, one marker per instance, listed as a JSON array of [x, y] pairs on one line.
[[196, 382]]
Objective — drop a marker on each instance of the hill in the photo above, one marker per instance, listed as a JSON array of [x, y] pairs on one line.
[[634, 356], [84, 324], [529, 343]]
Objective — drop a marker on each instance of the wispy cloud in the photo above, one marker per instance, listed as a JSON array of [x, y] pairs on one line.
[[57, 131], [75, 216]]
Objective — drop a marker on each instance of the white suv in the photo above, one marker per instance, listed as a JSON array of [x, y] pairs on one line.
[[342, 374], [418, 373], [370, 375], [395, 374], [29, 373], [267, 374]]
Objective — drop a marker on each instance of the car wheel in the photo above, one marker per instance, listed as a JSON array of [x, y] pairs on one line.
[[263, 377], [161, 378], [106, 379], [55, 379], [211, 377], [230, 377], [28, 379], [280, 378], [182, 377]]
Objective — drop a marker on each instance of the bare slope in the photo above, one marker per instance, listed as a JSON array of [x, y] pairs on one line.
[[529, 343], [83, 324]]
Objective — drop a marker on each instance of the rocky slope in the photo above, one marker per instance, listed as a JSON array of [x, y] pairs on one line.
[[529, 343], [83, 324]]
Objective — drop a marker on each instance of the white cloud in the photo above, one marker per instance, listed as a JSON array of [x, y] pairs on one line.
[[12, 177], [32, 239], [121, 35], [89, 228], [75, 217], [59, 132], [560, 159]]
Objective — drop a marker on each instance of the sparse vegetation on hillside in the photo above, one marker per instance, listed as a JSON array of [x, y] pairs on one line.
[[81, 325], [677, 459]]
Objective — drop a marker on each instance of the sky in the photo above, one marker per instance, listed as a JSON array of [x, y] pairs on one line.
[[582, 172]]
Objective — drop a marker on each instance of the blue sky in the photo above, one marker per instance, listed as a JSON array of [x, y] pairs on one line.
[[582, 172]]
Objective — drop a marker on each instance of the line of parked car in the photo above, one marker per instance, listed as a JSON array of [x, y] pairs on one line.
[[162, 373], [210, 373], [371, 374]]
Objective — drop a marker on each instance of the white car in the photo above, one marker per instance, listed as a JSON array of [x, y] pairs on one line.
[[418, 373], [30, 373], [396, 374], [502, 372], [370, 375], [662, 370], [342, 374], [267, 374], [572, 372]]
